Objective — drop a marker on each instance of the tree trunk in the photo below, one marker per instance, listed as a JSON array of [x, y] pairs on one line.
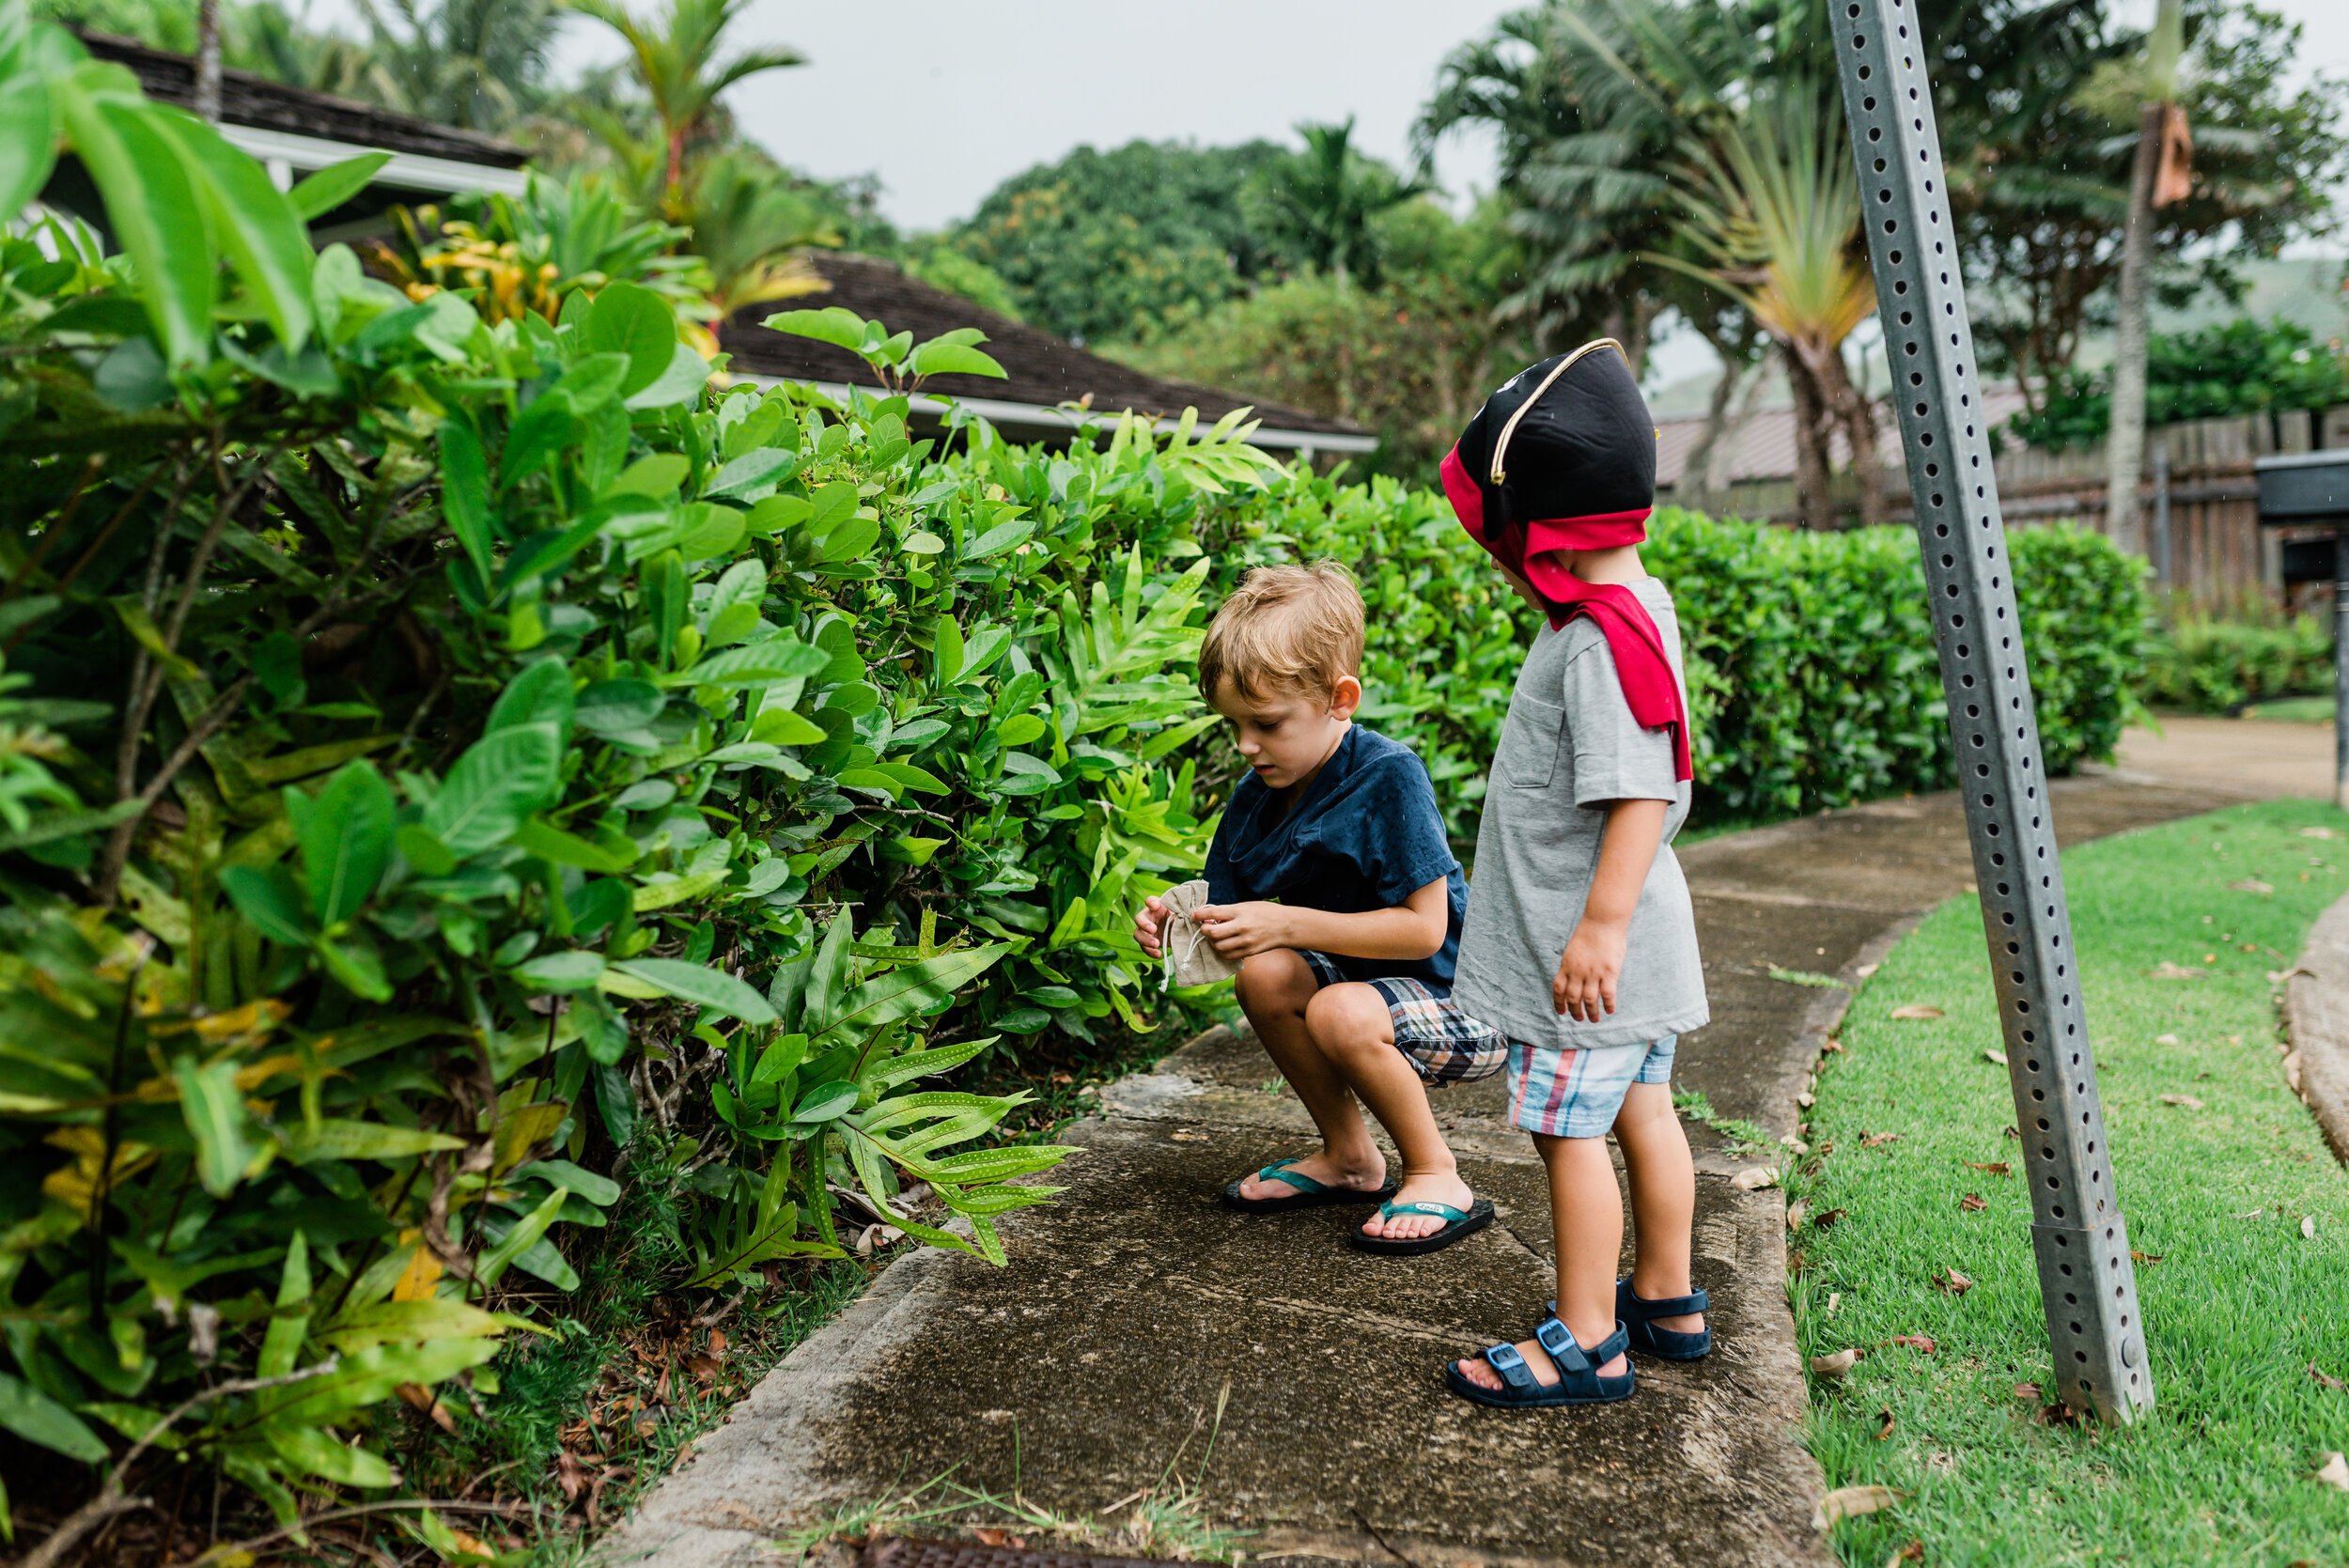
[[1851, 410], [208, 60], [1693, 488], [2126, 445], [1814, 491]]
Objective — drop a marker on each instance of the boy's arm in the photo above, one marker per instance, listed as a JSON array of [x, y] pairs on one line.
[[1415, 928], [1584, 987]]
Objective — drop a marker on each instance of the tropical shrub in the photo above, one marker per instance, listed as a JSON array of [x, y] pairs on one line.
[[2242, 367], [2212, 664]]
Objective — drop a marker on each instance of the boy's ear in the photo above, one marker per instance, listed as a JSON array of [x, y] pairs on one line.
[[1346, 697]]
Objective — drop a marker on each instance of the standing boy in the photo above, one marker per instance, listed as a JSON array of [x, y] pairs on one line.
[[1347, 978], [1580, 943]]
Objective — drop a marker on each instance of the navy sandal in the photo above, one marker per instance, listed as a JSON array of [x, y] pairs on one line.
[[1458, 1223], [1579, 1382], [1669, 1343], [1309, 1195]]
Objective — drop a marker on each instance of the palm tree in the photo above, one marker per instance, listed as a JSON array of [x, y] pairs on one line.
[[1318, 203], [2156, 80], [1772, 206], [480, 64], [681, 71]]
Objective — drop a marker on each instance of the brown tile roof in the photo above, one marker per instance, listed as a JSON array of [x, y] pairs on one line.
[[1766, 442], [1042, 371], [266, 105]]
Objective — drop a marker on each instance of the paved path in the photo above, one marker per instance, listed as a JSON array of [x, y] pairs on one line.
[[2257, 757], [1077, 1372]]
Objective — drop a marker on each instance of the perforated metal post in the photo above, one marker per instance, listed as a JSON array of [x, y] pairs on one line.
[[2082, 1247]]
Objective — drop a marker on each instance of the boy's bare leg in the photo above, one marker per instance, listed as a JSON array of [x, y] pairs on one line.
[[1586, 1216], [1275, 989], [1663, 1182], [1350, 1026]]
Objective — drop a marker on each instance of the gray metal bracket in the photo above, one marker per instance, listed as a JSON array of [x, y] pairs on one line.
[[2086, 1280]]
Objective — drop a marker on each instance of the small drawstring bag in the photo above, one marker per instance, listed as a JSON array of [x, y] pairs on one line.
[[1190, 957]]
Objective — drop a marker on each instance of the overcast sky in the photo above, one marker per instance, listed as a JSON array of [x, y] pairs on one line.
[[944, 99]]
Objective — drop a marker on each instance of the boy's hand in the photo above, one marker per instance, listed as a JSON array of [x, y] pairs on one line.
[[1150, 926], [1243, 930], [1584, 987]]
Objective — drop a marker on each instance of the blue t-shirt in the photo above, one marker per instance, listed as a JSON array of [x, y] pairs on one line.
[[1366, 836]]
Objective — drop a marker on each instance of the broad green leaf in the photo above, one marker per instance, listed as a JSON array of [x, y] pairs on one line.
[[281, 1344], [552, 844], [602, 1191], [617, 707], [712, 988], [541, 695], [38, 1418], [759, 664], [1071, 926], [336, 183], [832, 325], [367, 1377], [465, 491], [252, 221], [150, 203], [346, 839], [314, 1452], [631, 319], [780, 726], [828, 978], [496, 785], [333, 1138], [825, 1102], [682, 380], [215, 1114], [268, 900], [947, 651], [573, 970], [767, 466], [28, 129], [424, 851], [833, 506], [408, 1322], [525, 1233], [938, 358], [658, 475]]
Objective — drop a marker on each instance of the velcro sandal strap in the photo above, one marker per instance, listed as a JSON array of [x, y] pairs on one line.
[[1614, 1345], [1558, 1339], [1514, 1372], [1670, 1306]]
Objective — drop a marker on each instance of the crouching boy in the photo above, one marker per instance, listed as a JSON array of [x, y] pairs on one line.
[[1580, 943], [1347, 977]]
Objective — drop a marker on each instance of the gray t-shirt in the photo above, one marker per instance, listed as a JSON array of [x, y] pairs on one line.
[[1569, 748]]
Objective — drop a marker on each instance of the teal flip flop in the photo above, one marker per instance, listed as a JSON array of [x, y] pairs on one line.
[[1309, 1195], [1458, 1224]]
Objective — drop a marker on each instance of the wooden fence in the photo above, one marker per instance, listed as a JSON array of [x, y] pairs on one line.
[[2200, 505]]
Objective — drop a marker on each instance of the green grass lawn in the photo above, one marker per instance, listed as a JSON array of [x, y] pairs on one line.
[[2239, 1304]]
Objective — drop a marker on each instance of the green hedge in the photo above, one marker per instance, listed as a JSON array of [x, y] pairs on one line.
[[2213, 665], [1810, 658]]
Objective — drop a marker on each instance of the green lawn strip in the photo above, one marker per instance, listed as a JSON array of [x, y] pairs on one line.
[[2239, 1304]]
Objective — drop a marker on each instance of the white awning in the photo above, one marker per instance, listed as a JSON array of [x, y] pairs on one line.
[[408, 171]]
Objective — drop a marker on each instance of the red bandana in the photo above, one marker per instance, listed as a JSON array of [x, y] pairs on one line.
[[1573, 431]]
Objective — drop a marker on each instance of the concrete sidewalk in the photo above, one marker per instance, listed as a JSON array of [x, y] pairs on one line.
[[1079, 1372], [2260, 758]]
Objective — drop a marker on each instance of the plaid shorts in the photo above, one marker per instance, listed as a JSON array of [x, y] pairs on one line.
[[1443, 1043], [1578, 1093]]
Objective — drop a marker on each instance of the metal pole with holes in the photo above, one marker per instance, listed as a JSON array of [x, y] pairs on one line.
[[2083, 1248]]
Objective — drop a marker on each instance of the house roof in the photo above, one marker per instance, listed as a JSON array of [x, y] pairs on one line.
[[307, 131], [1765, 441], [1043, 372]]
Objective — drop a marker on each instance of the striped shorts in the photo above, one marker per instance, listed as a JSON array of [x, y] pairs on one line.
[[1443, 1043], [1578, 1093]]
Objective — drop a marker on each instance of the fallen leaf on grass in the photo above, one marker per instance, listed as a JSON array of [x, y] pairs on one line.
[[2172, 971], [2186, 1100], [2250, 884], [2026, 1390], [1913, 1552], [1954, 1282], [1828, 1218], [2135, 1256], [1886, 1430], [994, 1537], [1795, 1212], [1917, 1010], [2327, 1382], [1834, 1297], [1996, 1167], [1846, 1502], [1877, 1139], [1826, 1046], [704, 1368], [1997, 1056], [2308, 1227], [1805, 977], [1916, 1342], [419, 1396], [1806, 1099], [2334, 1472], [2277, 977], [1864, 970], [2165, 1039], [1754, 1178], [1835, 1365], [2319, 832], [570, 1475], [1972, 1203]]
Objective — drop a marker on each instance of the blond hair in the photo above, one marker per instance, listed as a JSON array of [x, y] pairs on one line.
[[1288, 628]]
